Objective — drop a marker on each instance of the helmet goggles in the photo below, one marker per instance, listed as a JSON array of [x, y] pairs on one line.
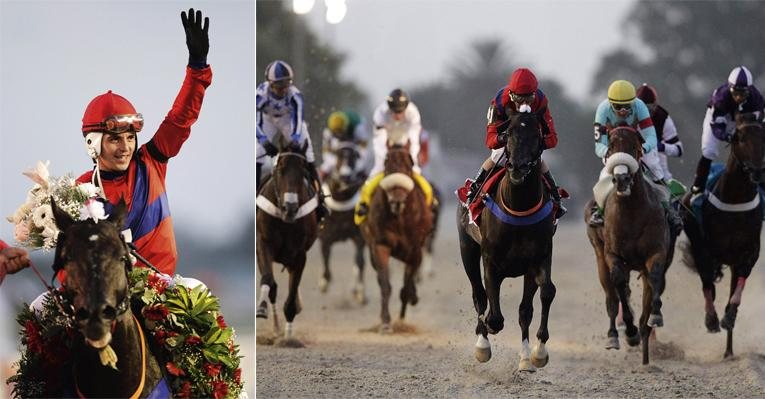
[[741, 92], [120, 123], [522, 98], [621, 107]]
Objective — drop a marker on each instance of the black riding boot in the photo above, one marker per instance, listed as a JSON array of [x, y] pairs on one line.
[[555, 195], [596, 219], [321, 209], [702, 172], [475, 186]]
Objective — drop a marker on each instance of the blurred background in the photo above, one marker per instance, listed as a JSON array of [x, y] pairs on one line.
[[56, 56], [453, 56]]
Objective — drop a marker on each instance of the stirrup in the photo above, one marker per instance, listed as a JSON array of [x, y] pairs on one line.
[[561, 211], [595, 220]]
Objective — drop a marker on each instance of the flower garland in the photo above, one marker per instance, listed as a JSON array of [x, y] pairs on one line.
[[33, 220], [201, 358]]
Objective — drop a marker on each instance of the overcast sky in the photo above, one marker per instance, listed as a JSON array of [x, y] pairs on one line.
[[56, 56], [410, 42]]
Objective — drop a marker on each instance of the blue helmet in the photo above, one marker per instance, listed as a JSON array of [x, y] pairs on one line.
[[740, 78], [279, 70]]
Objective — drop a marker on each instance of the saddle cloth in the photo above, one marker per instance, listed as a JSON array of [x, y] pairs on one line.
[[715, 172]]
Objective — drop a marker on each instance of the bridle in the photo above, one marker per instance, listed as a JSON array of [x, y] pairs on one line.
[[526, 167], [276, 186]]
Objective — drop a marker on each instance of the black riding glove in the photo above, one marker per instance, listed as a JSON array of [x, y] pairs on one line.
[[271, 149], [196, 37]]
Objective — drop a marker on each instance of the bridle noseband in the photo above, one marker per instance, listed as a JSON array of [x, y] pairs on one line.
[[276, 188]]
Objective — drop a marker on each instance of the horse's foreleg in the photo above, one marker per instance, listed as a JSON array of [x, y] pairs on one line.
[[655, 278], [612, 300], [326, 277], [408, 292], [737, 283], [293, 304], [267, 285], [621, 279], [495, 322], [358, 290], [539, 355], [380, 255], [525, 314], [649, 293]]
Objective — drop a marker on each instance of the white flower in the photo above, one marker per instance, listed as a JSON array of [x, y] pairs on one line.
[[39, 174], [42, 215], [88, 189], [92, 209], [50, 232]]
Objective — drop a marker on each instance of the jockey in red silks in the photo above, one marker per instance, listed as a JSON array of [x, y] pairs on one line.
[[521, 91], [137, 175]]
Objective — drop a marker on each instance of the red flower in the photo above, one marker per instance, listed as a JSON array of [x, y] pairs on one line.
[[193, 340], [34, 340], [157, 283], [238, 376], [221, 322], [160, 335], [220, 389], [212, 369], [155, 312], [174, 370], [185, 391]]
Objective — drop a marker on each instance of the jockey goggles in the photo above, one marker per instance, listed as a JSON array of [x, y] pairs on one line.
[[739, 91], [281, 84], [120, 123], [621, 107], [522, 98]]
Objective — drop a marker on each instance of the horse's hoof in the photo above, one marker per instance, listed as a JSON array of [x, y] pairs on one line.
[[526, 366], [323, 285], [483, 355], [262, 312], [539, 355], [633, 340], [612, 343], [386, 328], [655, 320], [729, 320], [712, 323], [728, 355]]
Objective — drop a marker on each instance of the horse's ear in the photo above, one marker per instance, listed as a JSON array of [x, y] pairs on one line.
[[119, 211], [62, 219]]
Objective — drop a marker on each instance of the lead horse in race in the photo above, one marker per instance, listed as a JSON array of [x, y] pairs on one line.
[[397, 225], [514, 240], [286, 228], [727, 230], [635, 236]]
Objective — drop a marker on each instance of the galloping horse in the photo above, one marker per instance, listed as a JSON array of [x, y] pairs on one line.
[[728, 230], [398, 222], [343, 185], [635, 236], [286, 227], [515, 239], [97, 299]]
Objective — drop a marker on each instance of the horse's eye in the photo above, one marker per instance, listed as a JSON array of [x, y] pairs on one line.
[[109, 313], [81, 315]]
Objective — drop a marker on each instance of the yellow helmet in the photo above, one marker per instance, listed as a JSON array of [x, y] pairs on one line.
[[621, 92], [337, 123]]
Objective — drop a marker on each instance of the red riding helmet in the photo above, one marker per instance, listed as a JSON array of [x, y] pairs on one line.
[[523, 81], [102, 108], [647, 94]]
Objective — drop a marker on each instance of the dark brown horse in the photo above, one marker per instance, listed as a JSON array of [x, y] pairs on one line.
[[427, 256], [286, 228], [728, 231], [515, 239], [398, 222], [343, 184], [635, 237], [97, 298]]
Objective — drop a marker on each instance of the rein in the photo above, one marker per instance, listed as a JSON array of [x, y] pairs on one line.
[[138, 390]]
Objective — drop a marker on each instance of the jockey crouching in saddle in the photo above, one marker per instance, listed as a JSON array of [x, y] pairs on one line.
[[737, 96], [280, 112], [343, 128], [396, 122], [137, 175], [521, 91], [623, 108]]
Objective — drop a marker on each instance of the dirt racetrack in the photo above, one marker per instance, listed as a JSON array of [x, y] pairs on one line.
[[431, 355]]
